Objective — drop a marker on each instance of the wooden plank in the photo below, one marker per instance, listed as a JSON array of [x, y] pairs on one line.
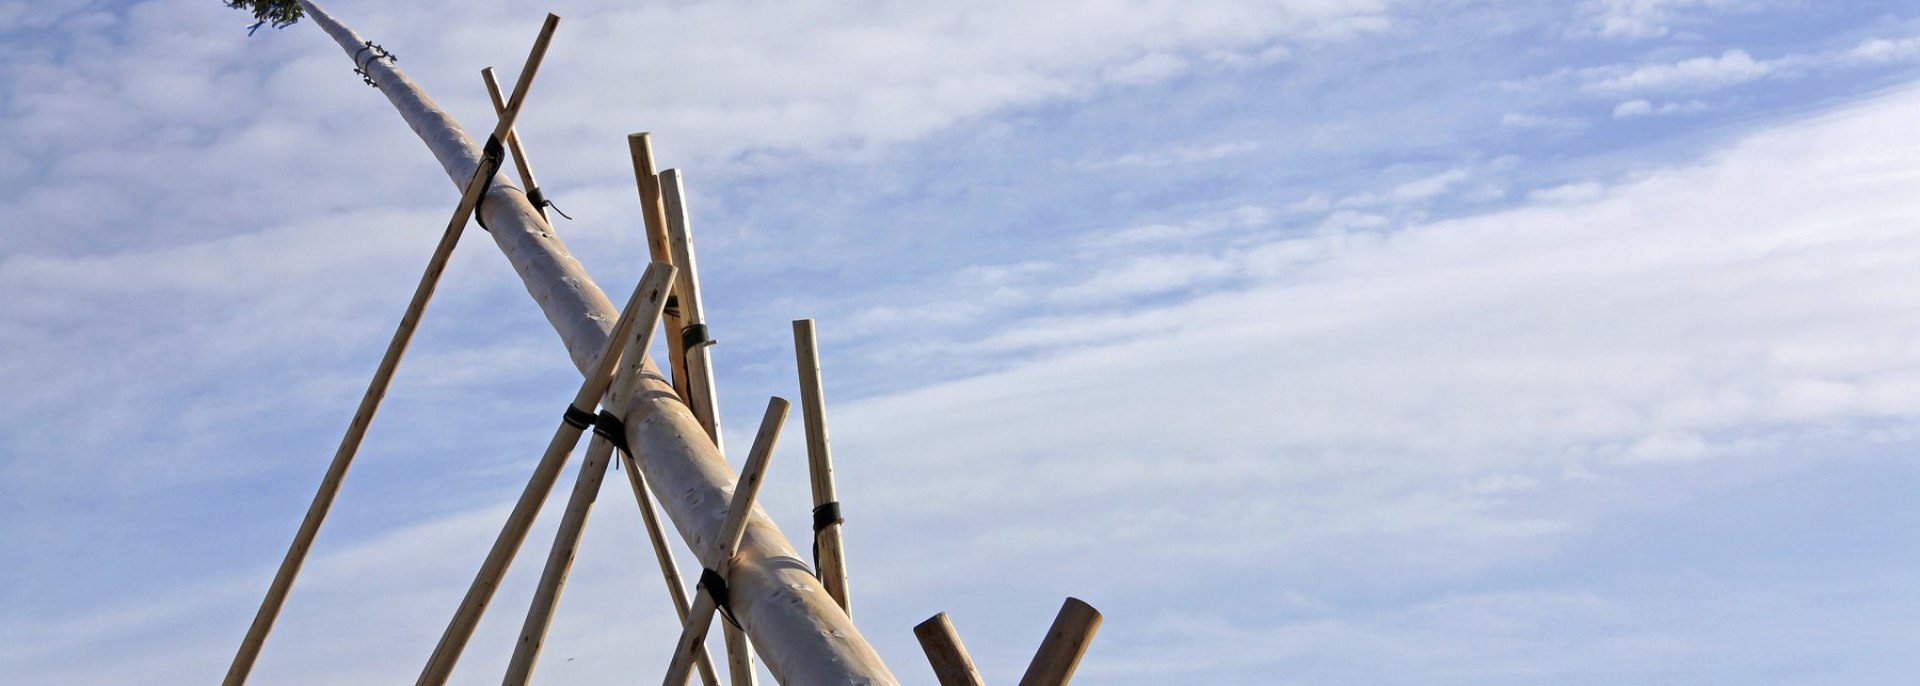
[[263, 619], [586, 488], [829, 548], [648, 296], [1066, 643], [732, 529], [952, 666]]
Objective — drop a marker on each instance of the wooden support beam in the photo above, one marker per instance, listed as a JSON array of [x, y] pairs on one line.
[[697, 371], [693, 338], [476, 186], [829, 548], [800, 634], [952, 666], [727, 545], [653, 209], [1065, 644], [676, 588], [648, 296], [586, 488], [513, 145]]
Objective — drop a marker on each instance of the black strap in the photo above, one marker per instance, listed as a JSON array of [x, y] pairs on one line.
[[694, 336], [577, 418], [539, 200], [826, 515], [610, 427], [716, 586], [491, 156]]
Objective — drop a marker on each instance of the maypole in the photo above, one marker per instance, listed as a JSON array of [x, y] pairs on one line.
[[801, 634]]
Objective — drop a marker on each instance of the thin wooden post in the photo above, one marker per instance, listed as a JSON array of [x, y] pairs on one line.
[[728, 544], [553, 578], [829, 549], [1065, 644], [654, 210], [693, 339], [952, 666], [648, 296], [586, 488], [676, 588], [296, 556], [534, 195], [694, 373]]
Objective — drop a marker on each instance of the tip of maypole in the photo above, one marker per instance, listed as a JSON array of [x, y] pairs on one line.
[[277, 13]]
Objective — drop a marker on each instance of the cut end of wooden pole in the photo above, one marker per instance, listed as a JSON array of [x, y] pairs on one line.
[[952, 666], [1066, 643]]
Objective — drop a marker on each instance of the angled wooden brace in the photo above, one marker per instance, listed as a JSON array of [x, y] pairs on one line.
[[648, 296], [713, 582], [296, 556]]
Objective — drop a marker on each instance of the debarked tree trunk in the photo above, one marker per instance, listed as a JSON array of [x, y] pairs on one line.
[[802, 635]]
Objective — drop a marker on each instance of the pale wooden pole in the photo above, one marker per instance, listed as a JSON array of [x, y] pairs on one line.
[[693, 338], [653, 209], [648, 296], [723, 548], [586, 488], [829, 549], [513, 146], [676, 588], [952, 666], [802, 636], [276, 597], [694, 375], [1065, 644]]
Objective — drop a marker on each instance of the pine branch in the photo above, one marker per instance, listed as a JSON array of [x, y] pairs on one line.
[[278, 13]]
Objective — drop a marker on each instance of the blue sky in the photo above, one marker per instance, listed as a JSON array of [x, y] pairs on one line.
[[1313, 342]]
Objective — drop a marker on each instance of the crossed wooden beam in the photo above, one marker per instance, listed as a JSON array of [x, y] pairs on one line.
[[668, 293]]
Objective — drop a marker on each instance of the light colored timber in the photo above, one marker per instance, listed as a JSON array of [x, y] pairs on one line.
[[697, 370], [513, 140], [586, 488], [676, 588], [648, 296], [701, 397], [1066, 643], [263, 619], [952, 666], [653, 209], [553, 578], [801, 636], [829, 547], [723, 549]]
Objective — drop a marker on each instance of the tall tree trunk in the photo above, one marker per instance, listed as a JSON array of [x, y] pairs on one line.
[[801, 634]]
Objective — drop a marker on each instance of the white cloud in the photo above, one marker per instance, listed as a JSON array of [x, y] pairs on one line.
[[1731, 67], [1650, 18], [1642, 108], [1519, 120], [1180, 155], [1884, 50]]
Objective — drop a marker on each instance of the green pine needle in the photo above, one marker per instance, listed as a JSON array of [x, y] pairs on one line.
[[278, 13]]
